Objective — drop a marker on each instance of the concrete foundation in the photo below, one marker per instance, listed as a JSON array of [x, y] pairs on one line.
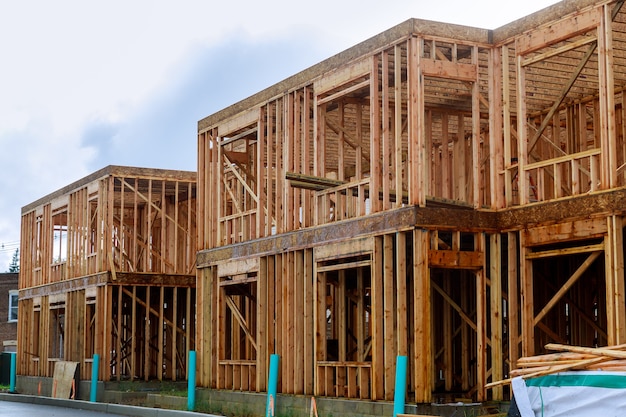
[[236, 403]]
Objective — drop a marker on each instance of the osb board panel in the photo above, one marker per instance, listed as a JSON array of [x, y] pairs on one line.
[[64, 373]]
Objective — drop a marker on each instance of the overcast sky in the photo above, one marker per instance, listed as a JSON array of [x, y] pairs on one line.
[[86, 84]]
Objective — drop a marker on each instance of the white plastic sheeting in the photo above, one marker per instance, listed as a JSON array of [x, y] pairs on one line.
[[572, 394]]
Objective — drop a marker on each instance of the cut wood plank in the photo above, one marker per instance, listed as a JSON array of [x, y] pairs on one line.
[[608, 352]]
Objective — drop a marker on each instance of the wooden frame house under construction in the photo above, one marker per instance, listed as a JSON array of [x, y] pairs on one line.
[[448, 193], [108, 268]]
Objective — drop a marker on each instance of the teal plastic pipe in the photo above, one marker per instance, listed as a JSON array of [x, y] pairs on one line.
[[191, 382], [271, 386], [400, 392], [13, 371], [94, 378]]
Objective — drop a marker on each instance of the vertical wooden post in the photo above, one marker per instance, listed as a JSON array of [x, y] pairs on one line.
[[262, 353], [607, 99], [309, 322], [422, 313], [526, 293], [160, 321], [522, 132], [512, 299], [506, 126], [614, 276], [481, 321], [417, 151], [118, 340], [389, 315], [174, 342], [401, 295], [386, 138], [377, 317], [133, 342], [495, 280], [476, 179], [262, 209], [397, 130], [375, 137], [320, 333], [496, 133], [146, 342]]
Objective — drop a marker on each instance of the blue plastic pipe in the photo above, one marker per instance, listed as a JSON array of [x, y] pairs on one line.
[[13, 371], [400, 392], [191, 382], [94, 378], [271, 386]]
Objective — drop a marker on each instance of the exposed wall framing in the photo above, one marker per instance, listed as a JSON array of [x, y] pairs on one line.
[[109, 268], [447, 193]]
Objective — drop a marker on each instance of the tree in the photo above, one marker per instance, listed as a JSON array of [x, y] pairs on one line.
[[14, 266]]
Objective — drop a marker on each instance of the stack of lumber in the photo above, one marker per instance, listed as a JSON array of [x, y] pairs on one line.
[[567, 358]]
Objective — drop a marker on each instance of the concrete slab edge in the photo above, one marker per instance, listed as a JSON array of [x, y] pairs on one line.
[[125, 410]]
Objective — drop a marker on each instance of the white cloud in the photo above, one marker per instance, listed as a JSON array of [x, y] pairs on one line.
[[86, 84]]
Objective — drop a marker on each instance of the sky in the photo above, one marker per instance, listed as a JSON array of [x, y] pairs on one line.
[[86, 84]]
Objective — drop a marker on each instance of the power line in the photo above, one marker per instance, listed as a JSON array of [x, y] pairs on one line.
[[9, 247]]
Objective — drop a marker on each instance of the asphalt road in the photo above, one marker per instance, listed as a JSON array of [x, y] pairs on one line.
[[18, 409]]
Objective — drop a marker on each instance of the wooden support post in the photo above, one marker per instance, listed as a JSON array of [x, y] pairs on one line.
[[133, 343], [614, 276], [401, 295], [527, 304], [309, 323], [481, 322], [498, 128], [320, 338], [262, 353], [160, 351], [446, 328], [417, 141], [422, 312], [607, 99], [513, 299], [390, 334], [397, 130], [377, 317], [375, 137], [495, 279], [174, 342], [476, 140], [146, 341], [522, 135]]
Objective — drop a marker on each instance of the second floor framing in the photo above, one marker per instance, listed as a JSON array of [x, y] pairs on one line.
[[424, 112], [118, 220]]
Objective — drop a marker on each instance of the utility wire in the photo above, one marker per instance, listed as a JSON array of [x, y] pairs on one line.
[[9, 247]]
